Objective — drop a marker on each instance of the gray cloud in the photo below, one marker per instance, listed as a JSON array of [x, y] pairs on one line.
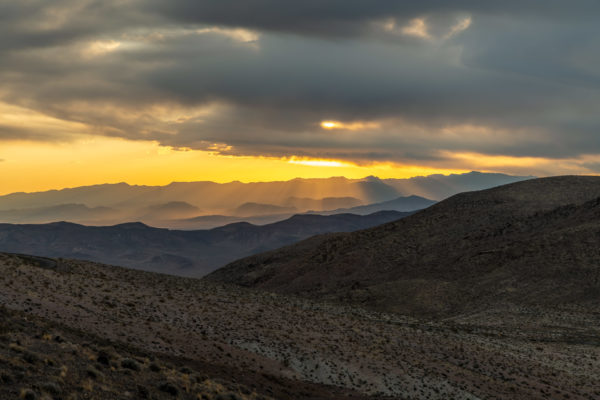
[[344, 17], [592, 167], [521, 80]]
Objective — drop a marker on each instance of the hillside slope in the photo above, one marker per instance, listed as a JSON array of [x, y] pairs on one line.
[[125, 333], [532, 242]]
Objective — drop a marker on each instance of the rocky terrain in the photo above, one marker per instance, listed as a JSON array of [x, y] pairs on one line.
[[40, 359], [531, 243], [203, 335], [185, 253]]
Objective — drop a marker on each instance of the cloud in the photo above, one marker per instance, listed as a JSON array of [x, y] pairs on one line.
[[398, 81], [353, 17]]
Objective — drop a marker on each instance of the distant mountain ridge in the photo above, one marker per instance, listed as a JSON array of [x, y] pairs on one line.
[[439, 187], [186, 253], [60, 211], [163, 206], [402, 204], [254, 209]]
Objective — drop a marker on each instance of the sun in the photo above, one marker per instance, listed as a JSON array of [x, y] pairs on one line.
[[330, 124]]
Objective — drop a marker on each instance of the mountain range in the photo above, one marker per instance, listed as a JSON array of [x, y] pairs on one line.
[[182, 205], [186, 253]]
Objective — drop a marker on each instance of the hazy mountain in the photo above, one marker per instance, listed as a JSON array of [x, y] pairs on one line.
[[402, 204], [215, 221], [158, 204], [170, 210], [189, 253], [205, 195], [78, 212], [250, 209], [439, 187], [327, 203], [527, 243]]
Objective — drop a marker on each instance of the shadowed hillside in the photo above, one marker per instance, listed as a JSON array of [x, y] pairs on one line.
[[532, 242]]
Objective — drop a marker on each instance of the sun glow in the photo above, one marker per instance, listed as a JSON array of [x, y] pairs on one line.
[[99, 47], [349, 126], [329, 124], [35, 166], [317, 163]]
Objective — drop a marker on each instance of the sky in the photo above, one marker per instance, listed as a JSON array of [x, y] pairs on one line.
[[149, 91]]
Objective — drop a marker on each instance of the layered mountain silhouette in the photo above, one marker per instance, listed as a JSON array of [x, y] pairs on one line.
[[254, 209], [439, 187], [502, 285], [179, 205], [527, 243], [187, 253], [403, 204], [58, 212]]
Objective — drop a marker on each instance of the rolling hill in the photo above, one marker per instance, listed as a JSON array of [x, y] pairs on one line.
[[526, 243]]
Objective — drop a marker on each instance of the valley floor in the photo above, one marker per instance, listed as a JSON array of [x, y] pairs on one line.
[[251, 344]]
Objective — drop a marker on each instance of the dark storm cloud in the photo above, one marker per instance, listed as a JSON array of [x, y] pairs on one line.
[[342, 17], [516, 78]]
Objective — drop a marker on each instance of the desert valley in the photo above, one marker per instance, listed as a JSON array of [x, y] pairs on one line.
[[489, 294], [299, 200]]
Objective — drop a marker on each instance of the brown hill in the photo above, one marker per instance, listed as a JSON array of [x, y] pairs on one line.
[[527, 243], [80, 330]]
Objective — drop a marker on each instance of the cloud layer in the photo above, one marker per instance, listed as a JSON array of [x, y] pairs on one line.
[[407, 82]]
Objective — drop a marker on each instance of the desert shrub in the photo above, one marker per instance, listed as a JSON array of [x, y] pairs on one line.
[[130, 364], [51, 388], [154, 367], [103, 357], [28, 394], [168, 387], [228, 396], [93, 373], [30, 357], [143, 392], [6, 378]]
